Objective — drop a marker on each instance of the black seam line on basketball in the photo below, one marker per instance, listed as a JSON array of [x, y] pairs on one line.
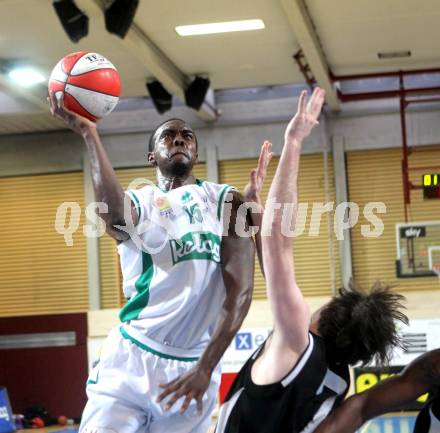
[[84, 108], [92, 90], [99, 69], [68, 74]]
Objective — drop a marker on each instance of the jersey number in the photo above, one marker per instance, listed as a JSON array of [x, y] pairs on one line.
[[194, 213]]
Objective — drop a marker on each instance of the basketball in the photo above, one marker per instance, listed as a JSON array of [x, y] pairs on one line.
[[62, 420], [89, 82]]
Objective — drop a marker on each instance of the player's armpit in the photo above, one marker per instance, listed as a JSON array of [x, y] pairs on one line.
[[120, 229]]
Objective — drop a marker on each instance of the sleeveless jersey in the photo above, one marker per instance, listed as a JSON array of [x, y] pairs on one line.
[[174, 284], [295, 404], [428, 419]]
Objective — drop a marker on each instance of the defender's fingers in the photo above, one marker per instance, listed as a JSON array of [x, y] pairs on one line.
[[262, 153], [265, 158], [253, 177], [269, 146], [269, 153], [263, 148], [268, 157], [311, 106], [302, 102], [318, 102]]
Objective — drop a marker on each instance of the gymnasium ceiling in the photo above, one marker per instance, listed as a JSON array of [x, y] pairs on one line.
[[343, 35]]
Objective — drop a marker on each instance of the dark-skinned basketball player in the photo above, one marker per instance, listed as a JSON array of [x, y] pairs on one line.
[[186, 300], [418, 378], [300, 373]]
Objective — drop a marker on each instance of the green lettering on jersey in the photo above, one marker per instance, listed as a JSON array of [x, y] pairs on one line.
[[194, 213], [196, 246]]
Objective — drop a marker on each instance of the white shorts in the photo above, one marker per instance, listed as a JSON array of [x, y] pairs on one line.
[[123, 387]]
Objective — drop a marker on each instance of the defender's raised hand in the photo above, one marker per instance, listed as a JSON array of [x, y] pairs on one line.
[[252, 190], [306, 117]]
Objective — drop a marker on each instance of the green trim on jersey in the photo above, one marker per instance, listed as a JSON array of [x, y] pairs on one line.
[[199, 182], [154, 352], [93, 382], [220, 201], [137, 202], [132, 309]]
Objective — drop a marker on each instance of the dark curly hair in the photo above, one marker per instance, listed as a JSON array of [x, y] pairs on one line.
[[151, 140], [359, 326]]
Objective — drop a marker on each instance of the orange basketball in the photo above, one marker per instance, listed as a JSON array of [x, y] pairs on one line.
[[62, 420], [89, 82]]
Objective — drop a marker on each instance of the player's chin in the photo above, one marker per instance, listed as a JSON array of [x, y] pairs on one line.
[[180, 166]]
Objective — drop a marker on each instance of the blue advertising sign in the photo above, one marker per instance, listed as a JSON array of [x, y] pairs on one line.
[[7, 424], [390, 424]]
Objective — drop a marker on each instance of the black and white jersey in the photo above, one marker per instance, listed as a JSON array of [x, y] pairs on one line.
[[295, 404], [428, 420]]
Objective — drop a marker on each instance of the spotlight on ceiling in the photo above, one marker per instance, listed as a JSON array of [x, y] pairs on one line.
[[74, 21], [119, 15], [162, 100], [196, 92]]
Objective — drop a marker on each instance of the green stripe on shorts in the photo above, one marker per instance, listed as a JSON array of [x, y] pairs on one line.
[[154, 352]]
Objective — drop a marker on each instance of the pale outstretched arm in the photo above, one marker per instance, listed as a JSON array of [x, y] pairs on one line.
[[291, 314]]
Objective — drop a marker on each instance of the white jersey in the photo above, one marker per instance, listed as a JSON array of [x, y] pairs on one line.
[[174, 286]]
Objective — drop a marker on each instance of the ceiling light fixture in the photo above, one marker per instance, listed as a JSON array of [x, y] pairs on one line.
[[26, 76], [224, 27], [394, 54]]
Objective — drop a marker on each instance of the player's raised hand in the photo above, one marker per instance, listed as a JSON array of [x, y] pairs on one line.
[[306, 117], [75, 122], [191, 385], [252, 190]]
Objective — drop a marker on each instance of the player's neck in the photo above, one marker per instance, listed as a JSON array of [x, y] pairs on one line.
[[167, 183]]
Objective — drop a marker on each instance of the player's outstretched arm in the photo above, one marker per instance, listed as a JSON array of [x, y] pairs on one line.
[[237, 262], [252, 194], [291, 314], [391, 394], [105, 183]]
